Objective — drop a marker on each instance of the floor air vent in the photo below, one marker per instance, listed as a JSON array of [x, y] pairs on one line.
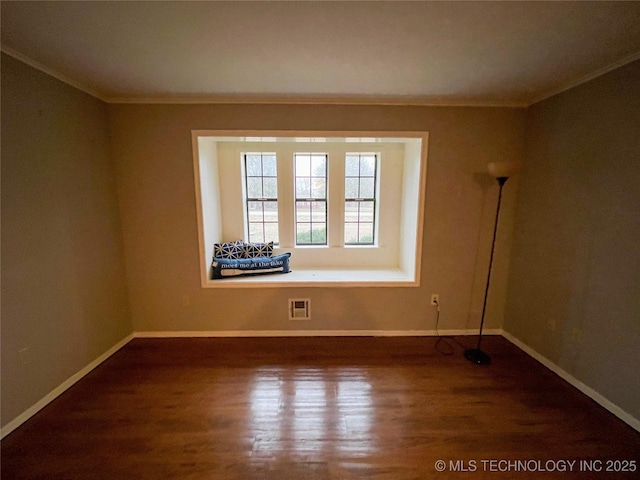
[[299, 309]]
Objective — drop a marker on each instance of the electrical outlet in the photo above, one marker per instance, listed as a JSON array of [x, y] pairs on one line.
[[435, 300]]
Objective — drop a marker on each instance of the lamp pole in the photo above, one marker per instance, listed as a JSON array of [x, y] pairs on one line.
[[476, 355]]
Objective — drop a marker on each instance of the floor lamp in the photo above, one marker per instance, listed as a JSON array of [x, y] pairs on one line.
[[501, 171]]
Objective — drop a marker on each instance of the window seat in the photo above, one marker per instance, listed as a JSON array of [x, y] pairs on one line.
[[394, 277]]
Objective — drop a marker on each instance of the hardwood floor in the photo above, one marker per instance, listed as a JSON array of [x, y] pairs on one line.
[[317, 408]]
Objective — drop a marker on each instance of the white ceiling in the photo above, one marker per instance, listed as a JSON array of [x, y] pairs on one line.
[[496, 53]]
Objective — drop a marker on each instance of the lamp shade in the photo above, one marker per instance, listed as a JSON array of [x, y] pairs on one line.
[[503, 169]]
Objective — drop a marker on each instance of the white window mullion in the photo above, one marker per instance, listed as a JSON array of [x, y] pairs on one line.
[[286, 207], [336, 199]]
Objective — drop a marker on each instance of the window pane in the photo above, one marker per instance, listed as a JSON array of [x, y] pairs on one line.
[[367, 166], [271, 232], [351, 212], [270, 187], [366, 233], [319, 165], [351, 233], [303, 188], [253, 165], [366, 212], [269, 165], [271, 212], [351, 166], [303, 233], [319, 233], [366, 187], [303, 165], [254, 187], [319, 212], [319, 189], [351, 187], [254, 211], [256, 232], [303, 212]]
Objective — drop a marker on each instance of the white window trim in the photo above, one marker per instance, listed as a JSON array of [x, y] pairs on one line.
[[375, 199], [328, 172], [246, 200], [208, 200]]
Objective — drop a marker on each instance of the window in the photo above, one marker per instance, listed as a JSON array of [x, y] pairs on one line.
[[261, 186], [311, 198], [348, 207], [360, 198]]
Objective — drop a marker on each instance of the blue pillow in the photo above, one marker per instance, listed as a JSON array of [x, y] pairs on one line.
[[232, 267]]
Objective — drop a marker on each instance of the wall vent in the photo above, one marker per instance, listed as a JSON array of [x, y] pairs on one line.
[[299, 309]]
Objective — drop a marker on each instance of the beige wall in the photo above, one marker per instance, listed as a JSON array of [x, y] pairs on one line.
[[576, 252], [151, 146], [575, 262], [63, 284]]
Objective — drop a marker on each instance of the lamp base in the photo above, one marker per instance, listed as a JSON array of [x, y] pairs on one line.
[[477, 356]]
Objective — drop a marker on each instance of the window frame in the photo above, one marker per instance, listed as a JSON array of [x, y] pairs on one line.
[[311, 199], [333, 265], [262, 200], [360, 199]]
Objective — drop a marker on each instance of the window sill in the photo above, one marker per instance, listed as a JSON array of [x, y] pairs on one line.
[[321, 278]]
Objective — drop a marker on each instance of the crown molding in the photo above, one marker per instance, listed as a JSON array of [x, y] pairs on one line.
[[585, 78], [355, 100], [51, 72]]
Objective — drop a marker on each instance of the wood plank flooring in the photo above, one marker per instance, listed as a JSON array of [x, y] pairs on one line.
[[317, 408]]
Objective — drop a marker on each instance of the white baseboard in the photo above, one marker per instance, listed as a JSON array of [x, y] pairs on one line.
[[588, 391], [60, 389], [611, 407], [311, 333]]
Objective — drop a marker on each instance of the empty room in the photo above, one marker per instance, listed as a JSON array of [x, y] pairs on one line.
[[320, 240]]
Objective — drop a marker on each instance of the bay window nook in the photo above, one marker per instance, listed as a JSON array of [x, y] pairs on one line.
[[348, 206]]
